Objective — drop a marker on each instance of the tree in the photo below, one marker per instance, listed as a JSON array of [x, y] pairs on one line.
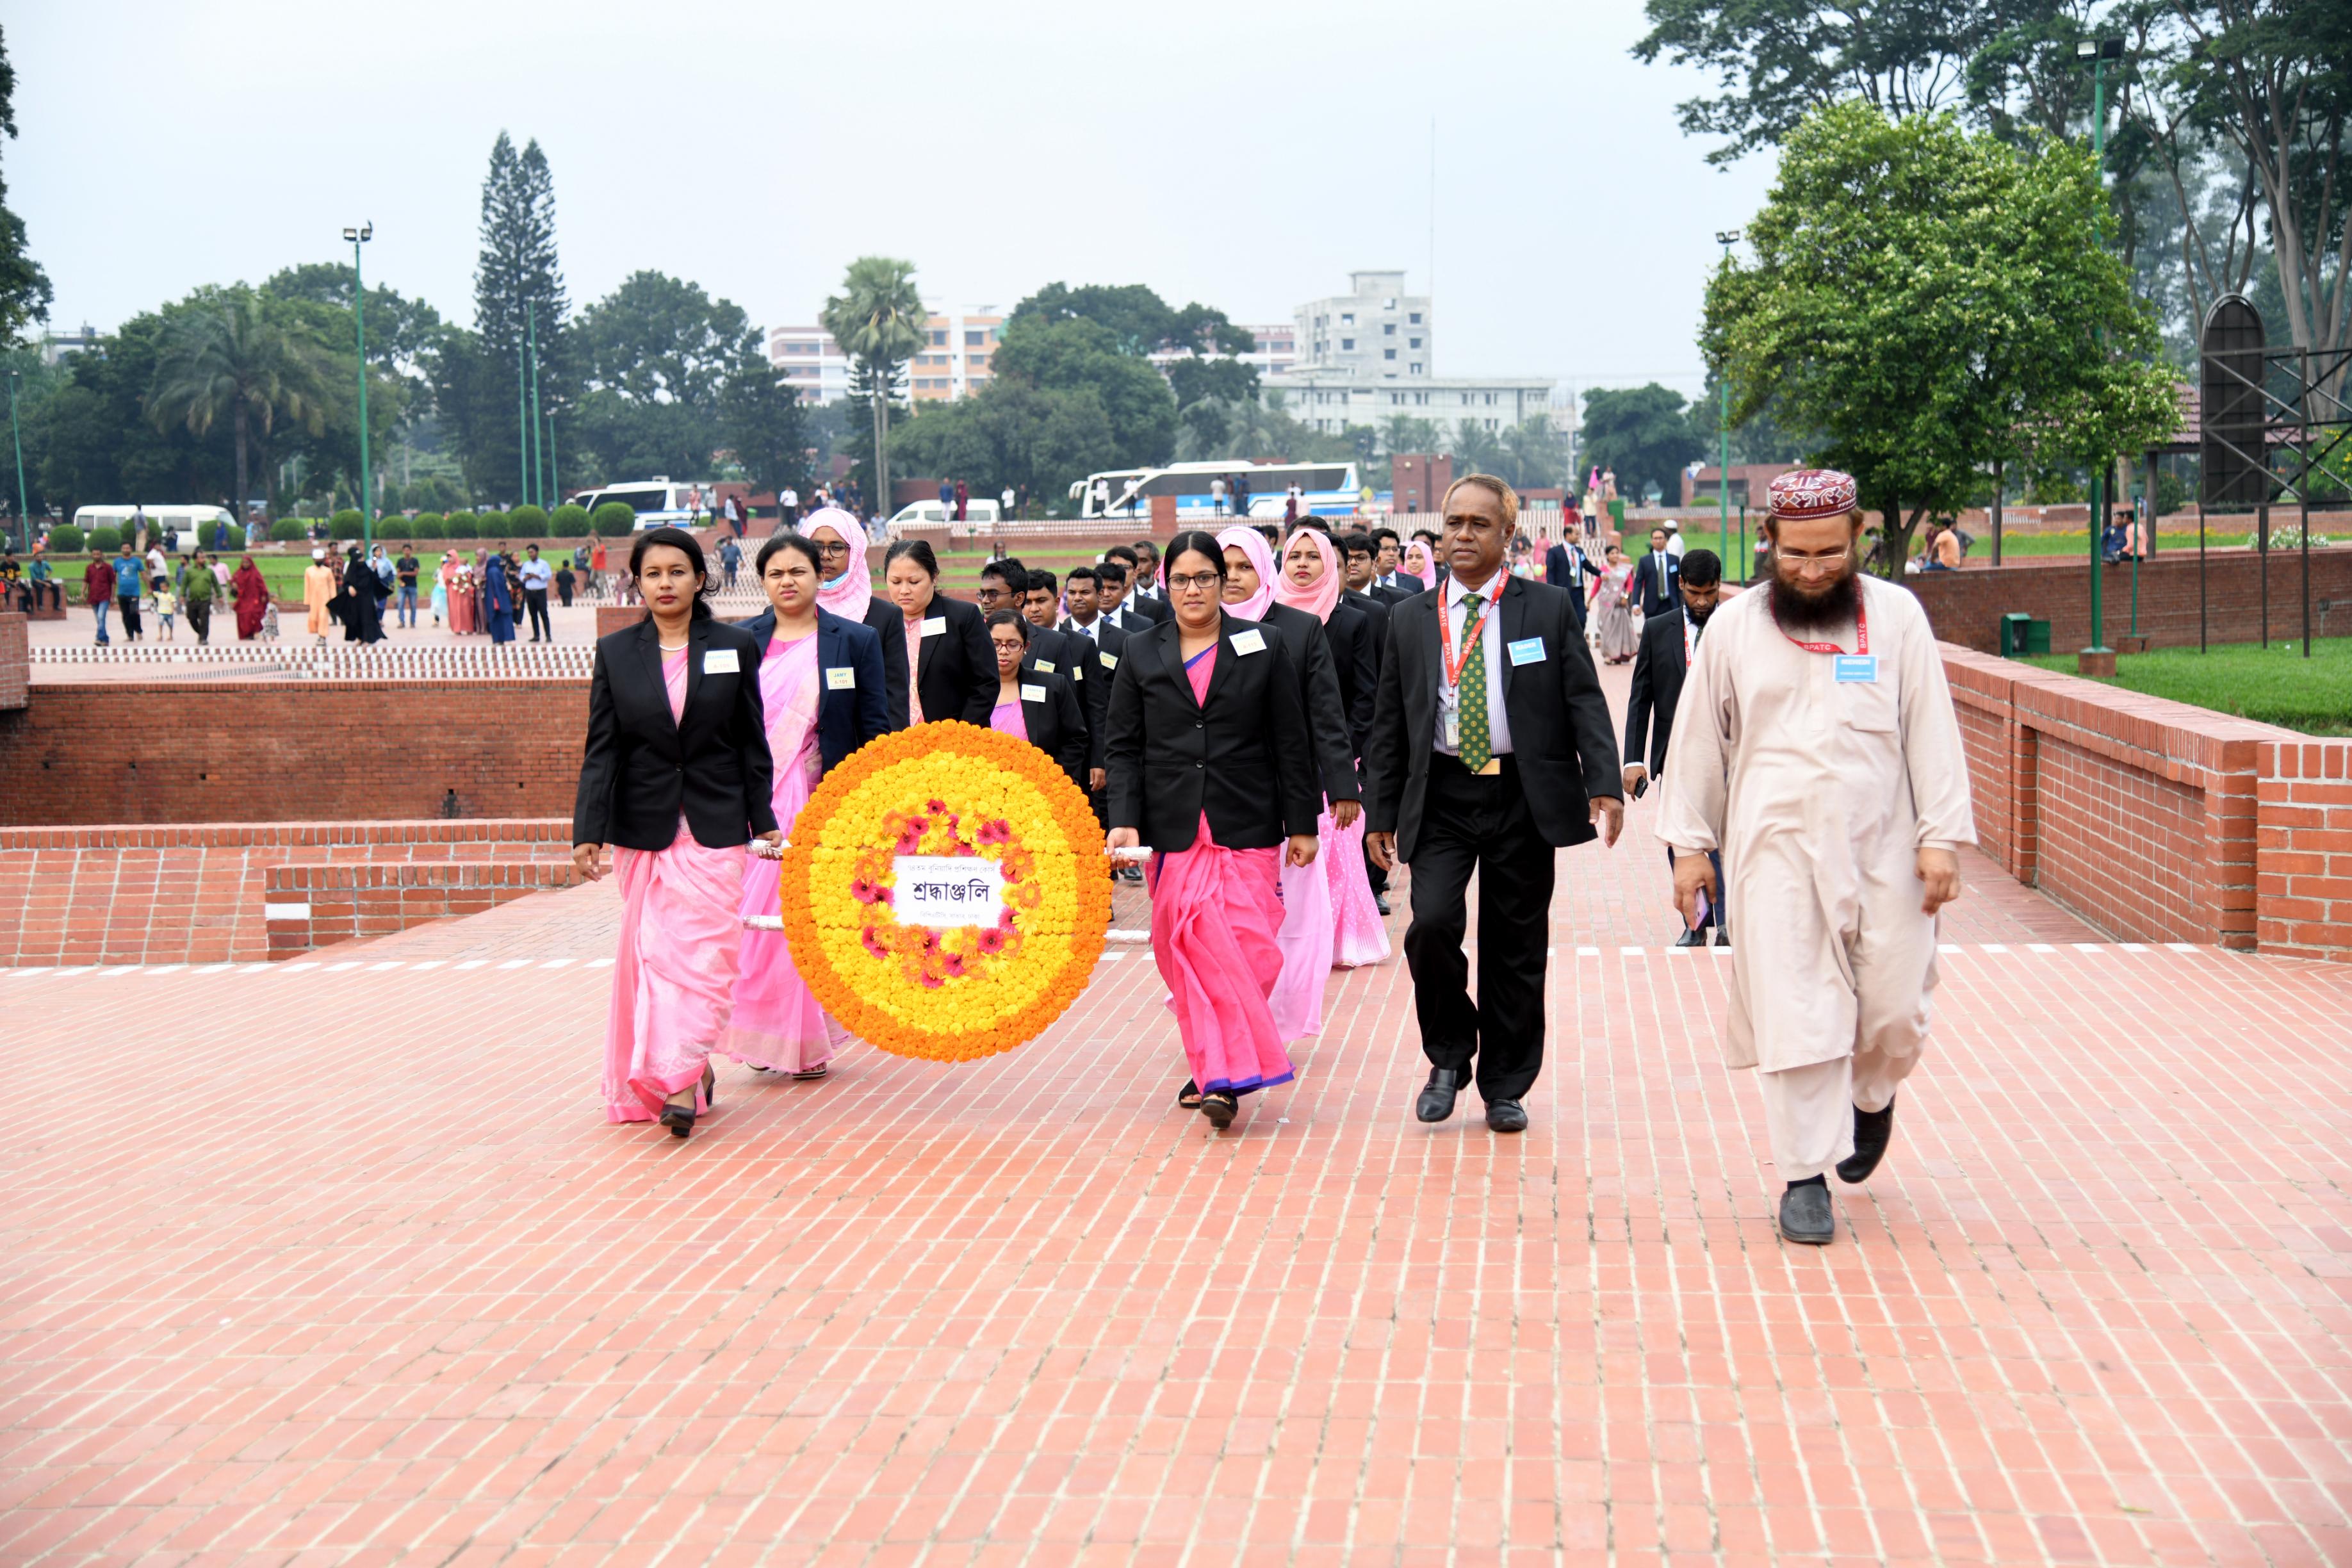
[[1012, 435], [879, 320], [1930, 301], [759, 415], [1138, 320], [518, 288], [229, 361], [1535, 454], [1643, 434], [24, 287], [1069, 353], [1404, 433]]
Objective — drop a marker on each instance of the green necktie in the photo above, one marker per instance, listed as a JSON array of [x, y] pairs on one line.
[[1476, 742]]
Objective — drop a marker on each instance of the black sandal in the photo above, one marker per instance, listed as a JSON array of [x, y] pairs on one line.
[[1220, 1109], [1189, 1097]]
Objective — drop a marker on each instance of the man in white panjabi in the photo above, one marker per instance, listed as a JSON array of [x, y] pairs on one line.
[[1816, 748]]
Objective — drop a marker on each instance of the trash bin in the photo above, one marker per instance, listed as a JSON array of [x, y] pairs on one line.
[[2020, 634]]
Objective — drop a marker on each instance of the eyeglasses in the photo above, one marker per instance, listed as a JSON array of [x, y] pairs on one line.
[[1827, 560], [831, 551], [1203, 580]]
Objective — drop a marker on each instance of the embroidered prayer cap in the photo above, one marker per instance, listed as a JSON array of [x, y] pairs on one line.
[[1812, 493]]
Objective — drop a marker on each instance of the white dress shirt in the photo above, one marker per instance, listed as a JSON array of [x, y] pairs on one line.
[[1086, 629], [1458, 610]]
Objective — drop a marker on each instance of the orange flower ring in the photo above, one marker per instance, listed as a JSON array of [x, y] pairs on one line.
[[1026, 924]]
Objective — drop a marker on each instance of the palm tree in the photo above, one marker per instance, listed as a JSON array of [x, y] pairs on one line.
[[1476, 449], [226, 358], [879, 320]]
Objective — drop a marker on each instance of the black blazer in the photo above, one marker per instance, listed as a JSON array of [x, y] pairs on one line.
[[1108, 642], [1658, 670], [641, 768], [1376, 611], [1356, 660], [1245, 756], [1657, 597], [1073, 658], [846, 718], [1570, 570], [1152, 609], [1559, 721], [955, 672], [882, 618], [1318, 692], [1405, 587], [1056, 721]]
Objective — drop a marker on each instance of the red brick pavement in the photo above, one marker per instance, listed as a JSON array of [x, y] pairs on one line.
[[335, 1262]]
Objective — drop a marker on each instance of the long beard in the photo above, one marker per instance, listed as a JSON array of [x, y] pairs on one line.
[[1822, 609]]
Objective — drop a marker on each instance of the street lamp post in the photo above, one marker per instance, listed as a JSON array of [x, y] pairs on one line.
[[2098, 659], [24, 518], [538, 444], [358, 236], [1727, 239]]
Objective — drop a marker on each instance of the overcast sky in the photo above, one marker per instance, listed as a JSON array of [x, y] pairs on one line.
[[1247, 155]]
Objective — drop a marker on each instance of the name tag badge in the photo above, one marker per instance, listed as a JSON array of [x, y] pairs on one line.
[[1109, 661], [1033, 694], [1044, 664], [1249, 642], [1449, 724], [842, 677], [721, 661], [934, 625], [1857, 666], [1527, 651]]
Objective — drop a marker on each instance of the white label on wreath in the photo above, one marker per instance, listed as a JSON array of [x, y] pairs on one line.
[[946, 890]]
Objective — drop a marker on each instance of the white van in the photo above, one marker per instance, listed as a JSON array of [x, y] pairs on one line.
[[977, 514], [657, 502], [190, 527]]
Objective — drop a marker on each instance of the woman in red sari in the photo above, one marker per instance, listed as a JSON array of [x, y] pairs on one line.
[[252, 599]]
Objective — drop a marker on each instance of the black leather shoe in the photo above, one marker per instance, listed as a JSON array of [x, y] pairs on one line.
[[1506, 1116], [1805, 1214], [1723, 938], [1695, 937], [1380, 902], [1436, 1101], [1871, 1131]]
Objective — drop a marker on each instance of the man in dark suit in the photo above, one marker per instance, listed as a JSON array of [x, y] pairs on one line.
[[1363, 566], [1389, 584], [1490, 748], [1087, 633], [1145, 595], [1669, 642], [1569, 568], [1655, 575]]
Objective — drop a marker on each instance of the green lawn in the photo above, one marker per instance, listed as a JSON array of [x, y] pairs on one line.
[[2276, 684]]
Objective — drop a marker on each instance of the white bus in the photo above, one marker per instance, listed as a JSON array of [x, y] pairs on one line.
[[1331, 490], [190, 527], [657, 502]]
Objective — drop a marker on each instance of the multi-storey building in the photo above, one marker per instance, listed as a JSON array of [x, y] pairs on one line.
[[1371, 352], [954, 363], [1375, 331], [1276, 353], [813, 364]]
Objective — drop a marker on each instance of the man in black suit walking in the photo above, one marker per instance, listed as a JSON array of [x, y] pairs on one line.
[[1389, 584], [1654, 575], [1569, 568], [1669, 643], [1490, 748]]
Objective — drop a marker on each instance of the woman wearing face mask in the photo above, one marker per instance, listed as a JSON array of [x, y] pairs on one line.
[[1035, 705], [1311, 582], [821, 691], [950, 665], [1210, 761], [676, 777], [846, 588], [1306, 920]]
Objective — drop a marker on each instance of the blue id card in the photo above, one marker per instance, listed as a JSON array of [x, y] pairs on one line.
[[1527, 650], [1857, 666]]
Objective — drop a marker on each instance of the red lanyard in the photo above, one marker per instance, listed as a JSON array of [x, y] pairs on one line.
[[1469, 637], [1861, 636]]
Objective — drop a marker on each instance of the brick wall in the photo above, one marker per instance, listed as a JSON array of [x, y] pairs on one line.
[[2302, 824], [333, 751], [313, 906], [15, 660], [2155, 820], [197, 894], [1966, 608]]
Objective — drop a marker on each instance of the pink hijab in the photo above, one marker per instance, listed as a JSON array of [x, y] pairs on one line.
[[848, 595], [1319, 597], [1254, 545]]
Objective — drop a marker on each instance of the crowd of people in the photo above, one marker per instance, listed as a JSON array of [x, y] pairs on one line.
[[1284, 719]]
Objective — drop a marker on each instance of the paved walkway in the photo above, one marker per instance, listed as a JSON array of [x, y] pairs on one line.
[[336, 1262]]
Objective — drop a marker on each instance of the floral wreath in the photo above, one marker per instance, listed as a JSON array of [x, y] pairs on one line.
[[954, 993]]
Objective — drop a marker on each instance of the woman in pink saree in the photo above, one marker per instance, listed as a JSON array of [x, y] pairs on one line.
[[676, 777], [1208, 755], [817, 666], [1311, 579]]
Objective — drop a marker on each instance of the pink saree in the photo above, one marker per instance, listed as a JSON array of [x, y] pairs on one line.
[[1359, 935], [674, 976], [1213, 915], [777, 1022]]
